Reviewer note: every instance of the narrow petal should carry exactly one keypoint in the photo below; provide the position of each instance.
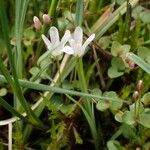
(46, 41)
(66, 37)
(88, 41)
(78, 35)
(73, 44)
(76, 47)
(54, 35)
(68, 50)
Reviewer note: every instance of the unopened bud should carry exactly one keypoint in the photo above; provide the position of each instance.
(129, 63)
(138, 148)
(140, 85)
(135, 95)
(46, 18)
(37, 22)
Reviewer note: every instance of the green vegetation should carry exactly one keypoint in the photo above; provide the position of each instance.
(75, 74)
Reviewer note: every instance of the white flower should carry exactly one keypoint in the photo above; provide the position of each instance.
(76, 48)
(54, 44)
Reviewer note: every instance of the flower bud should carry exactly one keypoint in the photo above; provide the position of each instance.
(140, 85)
(46, 18)
(129, 63)
(37, 22)
(138, 148)
(135, 95)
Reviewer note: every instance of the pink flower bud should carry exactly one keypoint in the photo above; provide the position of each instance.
(138, 148)
(46, 18)
(140, 85)
(37, 22)
(135, 95)
(129, 63)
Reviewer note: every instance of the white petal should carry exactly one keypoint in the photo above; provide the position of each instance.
(46, 41)
(73, 44)
(66, 37)
(88, 41)
(68, 50)
(54, 35)
(78, 35)
(76, 47)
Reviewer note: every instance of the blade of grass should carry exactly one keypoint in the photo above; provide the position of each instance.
(11, 109)
(102, 28)
(42, 87)
(79, 13)
(15, 85)
(141, 63)
(21, 8)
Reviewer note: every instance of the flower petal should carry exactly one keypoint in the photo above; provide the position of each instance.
(76, 48)
(68, 50)
(88, 41)
(73, 44)
(46, 41)
(66, 37)
(78, 35)
(54, 35)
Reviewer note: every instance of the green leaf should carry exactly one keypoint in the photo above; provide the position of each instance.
(113, 73)
(56, 104)
(146, 98)
(114, 105)
(114, 145)
(102, 105)
(111, 145)
(144, 119)
(34, 70)
(138, 106)
(117, 68)
(104, 42)
(119, 50)
(3, 92)
(129, 132)
(144, 53)
(128, 118)
(118, 116)
(145, 16)
(97, 91)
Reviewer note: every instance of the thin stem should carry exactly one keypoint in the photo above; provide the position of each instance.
(82, 81)
(10, 136)
(99, 70)
(58, 65)
(87, 104)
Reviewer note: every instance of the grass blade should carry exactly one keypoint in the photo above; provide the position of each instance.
(141, 63)
(11, 109)
(79, 13)
(21, 8)
(42, 87)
